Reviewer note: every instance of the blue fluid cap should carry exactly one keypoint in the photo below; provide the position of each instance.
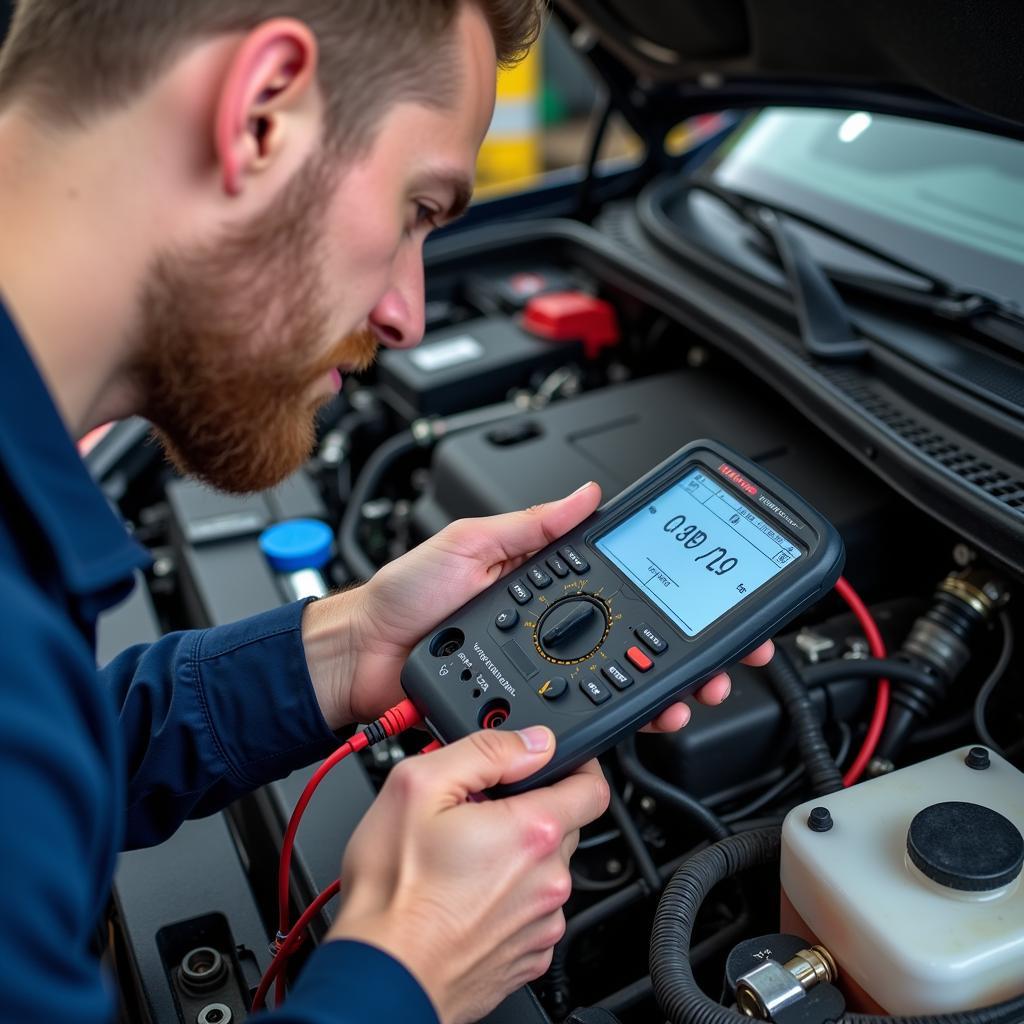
(297, 544)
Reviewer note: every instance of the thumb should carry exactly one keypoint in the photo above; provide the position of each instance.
(520, 533)
(488, 758)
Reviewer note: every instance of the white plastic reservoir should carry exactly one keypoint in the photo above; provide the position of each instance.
(916, 889)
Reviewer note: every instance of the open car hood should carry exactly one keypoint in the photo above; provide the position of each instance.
(956, 61)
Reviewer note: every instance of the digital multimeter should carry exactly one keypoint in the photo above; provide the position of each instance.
(680, 575)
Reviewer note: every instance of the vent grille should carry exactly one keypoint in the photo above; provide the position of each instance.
(619, 223)
(969, 466)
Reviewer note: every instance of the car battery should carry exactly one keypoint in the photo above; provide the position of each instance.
(474, 363)
(507, 290)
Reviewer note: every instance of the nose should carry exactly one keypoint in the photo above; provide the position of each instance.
(398, 317)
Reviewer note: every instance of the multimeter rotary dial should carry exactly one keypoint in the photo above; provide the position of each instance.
(572, 629)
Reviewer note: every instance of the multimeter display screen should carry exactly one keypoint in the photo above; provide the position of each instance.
(697, 551)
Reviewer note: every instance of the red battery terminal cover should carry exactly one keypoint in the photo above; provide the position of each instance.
(573, 316)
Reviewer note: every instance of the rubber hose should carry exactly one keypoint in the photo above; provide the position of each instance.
(377, 465)
(380, 462)
(791, 690)
(692, 808)
(857, 668)
(675, 988)
(634, 840)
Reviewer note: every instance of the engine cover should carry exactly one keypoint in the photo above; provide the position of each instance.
(615, 434)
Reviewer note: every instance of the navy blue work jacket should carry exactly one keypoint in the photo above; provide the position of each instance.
(92, 762)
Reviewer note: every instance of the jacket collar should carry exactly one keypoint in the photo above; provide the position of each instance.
(92, 549)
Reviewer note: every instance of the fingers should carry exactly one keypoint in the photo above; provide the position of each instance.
(517, 533)
(542, 934)
(715, 690)
(569, 844)
(676, 716)
(573, 802)
(672, 719)
(761, 655)
(477, 762)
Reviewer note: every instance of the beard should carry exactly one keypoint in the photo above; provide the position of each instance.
(231, 341)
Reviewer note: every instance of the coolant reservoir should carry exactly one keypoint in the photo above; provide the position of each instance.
(913, 882)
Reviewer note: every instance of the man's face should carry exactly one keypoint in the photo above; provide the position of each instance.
(241, 339)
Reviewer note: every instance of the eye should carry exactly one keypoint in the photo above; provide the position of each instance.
(425, 216)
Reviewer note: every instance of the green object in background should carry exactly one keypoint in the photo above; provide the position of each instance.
(552, 107)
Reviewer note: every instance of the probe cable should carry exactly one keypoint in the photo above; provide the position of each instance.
(404, 716)
(877, 647)
(395, 720)
(291, 943)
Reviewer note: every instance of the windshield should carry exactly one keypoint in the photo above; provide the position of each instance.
(948, 200)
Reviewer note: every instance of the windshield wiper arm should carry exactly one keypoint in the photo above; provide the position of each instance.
(937, 298)
(826, 330)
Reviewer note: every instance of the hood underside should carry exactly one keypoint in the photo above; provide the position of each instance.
(956, 60)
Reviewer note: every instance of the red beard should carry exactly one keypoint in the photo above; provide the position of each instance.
(232, 345)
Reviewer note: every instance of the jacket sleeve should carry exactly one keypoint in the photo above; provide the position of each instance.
(350, 983)
(208, 715)
(60, 791)
(58, 800)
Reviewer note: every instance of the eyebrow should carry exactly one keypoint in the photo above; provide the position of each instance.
(460, 187)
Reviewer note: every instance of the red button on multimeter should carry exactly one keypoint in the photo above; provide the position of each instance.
(637, 657)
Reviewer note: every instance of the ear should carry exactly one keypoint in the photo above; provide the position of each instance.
(268, 83)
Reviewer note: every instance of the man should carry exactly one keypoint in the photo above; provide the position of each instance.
(199, 198)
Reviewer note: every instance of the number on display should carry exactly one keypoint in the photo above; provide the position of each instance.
(692, 537)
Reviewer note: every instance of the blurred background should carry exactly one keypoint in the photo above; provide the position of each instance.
(547, 111)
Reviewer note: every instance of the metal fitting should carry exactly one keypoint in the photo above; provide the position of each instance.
(215, 1013)
(976, 588)
(813, 645)
(762, 992)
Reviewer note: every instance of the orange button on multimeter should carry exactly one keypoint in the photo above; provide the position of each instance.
(637, 658)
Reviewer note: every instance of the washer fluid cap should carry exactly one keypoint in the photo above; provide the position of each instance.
(297, 544)
(965, 846)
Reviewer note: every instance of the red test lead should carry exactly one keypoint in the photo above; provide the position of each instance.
(394, 721)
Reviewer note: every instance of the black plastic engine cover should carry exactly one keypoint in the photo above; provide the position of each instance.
(615, 434)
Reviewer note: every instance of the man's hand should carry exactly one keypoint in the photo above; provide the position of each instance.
(357, 642)
(468, 896)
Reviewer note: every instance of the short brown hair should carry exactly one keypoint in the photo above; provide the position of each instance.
(76, 58)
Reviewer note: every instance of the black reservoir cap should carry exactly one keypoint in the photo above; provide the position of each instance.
(965, 846)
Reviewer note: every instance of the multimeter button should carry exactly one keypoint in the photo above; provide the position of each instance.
(558, 566)
(553, 688)
(576, 561)
(637, 657)
(520, 592)
(614, 674)
(594, 690)
(506, 618)
(517, 656)
(540, 578)
(650, 639)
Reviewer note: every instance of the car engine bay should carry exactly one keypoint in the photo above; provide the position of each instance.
(551, 359)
